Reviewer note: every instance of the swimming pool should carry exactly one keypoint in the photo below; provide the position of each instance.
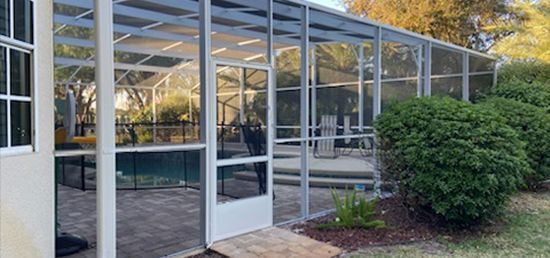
(143, 170)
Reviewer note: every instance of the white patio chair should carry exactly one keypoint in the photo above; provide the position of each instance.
(326, 148)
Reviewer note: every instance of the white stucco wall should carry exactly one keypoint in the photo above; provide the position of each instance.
(27, 181)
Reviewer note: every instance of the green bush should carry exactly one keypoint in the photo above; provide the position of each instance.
(350, 214)
(533, 127)
(144, 136)
(525, 71)
(172, 109)
(536, 93)
(454, 159)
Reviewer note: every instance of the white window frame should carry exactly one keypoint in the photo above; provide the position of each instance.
(10, 43)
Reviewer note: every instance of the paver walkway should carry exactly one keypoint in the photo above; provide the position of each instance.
(275, 242)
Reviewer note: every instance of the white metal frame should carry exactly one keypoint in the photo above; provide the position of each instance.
(105, 129)
(465, 76)
(208, 129)
(209, 210)
(428, 69)
(462, 75)
(9, 43)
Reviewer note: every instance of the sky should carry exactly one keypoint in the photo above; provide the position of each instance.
(330, 3)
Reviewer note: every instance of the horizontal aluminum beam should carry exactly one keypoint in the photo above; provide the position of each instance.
(221, 12)
(124, 48)
(155, 34)
(122, 66)
(366, 21)
(294, 12)
(120, 9)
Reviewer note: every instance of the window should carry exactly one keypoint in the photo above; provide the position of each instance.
(16, 95)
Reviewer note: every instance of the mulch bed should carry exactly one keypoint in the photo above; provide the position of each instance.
(401, 228)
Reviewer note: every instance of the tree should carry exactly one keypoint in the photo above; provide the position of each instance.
(337, 63)
(70, 77)
(80, 79)
(457, 21)
(531, 31)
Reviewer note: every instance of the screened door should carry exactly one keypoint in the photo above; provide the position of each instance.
(244, 193)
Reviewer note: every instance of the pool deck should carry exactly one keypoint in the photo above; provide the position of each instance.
(150, 223)
(159, 222)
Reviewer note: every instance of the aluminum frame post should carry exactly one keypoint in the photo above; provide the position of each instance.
(465, 76)
(207, 129)
(271, 106)
(272, 60)
(361, 85)
(270, 51)
(377, 102)
(304, 114)
(242, 87)
(428, 69)
(105, 129)
(376, 85)
(313, 88)
(420, 86)
(495, 73)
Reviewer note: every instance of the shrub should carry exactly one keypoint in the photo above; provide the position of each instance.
(535, 93)
(349, 214)
(454, 159)
(173, 108)
(525, 71)
(533, 127)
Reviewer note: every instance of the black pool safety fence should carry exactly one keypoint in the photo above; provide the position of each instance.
(151, 170)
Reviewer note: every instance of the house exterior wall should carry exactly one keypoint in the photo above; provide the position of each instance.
(27, 180)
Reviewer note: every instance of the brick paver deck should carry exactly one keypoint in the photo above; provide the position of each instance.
(275, 242)
(158, 222)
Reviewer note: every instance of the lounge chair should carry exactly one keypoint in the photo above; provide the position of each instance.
(326, 148)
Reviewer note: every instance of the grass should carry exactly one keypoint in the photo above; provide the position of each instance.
(524, 232)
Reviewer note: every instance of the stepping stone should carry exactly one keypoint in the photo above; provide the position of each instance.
(289, 245)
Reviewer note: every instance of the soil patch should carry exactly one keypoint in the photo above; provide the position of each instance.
(401, 228)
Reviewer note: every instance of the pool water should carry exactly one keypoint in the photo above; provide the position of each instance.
(173, 165)
(145, 170)
(164, 168)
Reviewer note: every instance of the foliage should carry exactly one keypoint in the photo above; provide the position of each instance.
(145, 136)
(173, 108)
(456, 21)
(338, 58)
(522, 233)
(525, 71)
(85, 95)
(535, 93)
(454, 159)
(288, 102)
(288, 68)
(529, 39)
(533, 127)
(349, 214)
(129, 100)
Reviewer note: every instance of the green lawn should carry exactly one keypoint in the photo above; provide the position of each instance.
(525, 232)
